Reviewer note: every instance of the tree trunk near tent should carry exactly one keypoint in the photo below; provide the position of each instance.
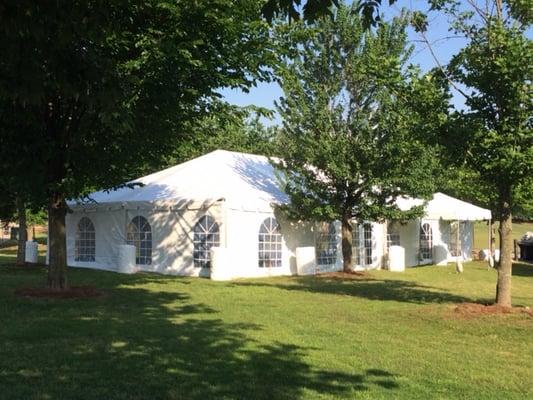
(346, 244)
(57, 246)
(23, 233)
(503, 288)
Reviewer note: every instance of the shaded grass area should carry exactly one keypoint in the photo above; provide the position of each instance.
(8, 253)
(382, 336)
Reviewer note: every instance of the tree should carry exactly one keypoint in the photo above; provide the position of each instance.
(233, 128)
(311, 9)
(112, 85)
(497, 65)
(314, 9)
(493, 136)
(461, 181)
(21, 178)
(353, 116)
(13, 209)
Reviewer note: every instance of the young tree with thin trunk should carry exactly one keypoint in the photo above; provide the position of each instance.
(493, 138)
(353, 116)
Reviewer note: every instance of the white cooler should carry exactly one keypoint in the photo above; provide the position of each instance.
(305, 260)
(31, 252)
(126, 258)
(396, 258)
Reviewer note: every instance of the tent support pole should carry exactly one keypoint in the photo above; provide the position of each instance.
(459, 250)
(490, 237)
(418, 256)
(125, 225)
(473, 240)
(225, 205)
(459, 244)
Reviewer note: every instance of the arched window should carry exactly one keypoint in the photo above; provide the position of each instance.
(85, 245)
(206, 235)
(367, 236)
(270, 244)
(393, 234)
(140, 235)
(326, 244)
(426, 242)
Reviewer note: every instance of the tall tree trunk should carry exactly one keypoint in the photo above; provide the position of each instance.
(503, 288)
(346, 243)
(23, 233)
(57, 246)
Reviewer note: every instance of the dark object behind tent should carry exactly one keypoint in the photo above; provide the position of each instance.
(526, 251)
(526, 247)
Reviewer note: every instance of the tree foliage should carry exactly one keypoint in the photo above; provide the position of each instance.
(233, 129)
(354, 116)
(492, 138)
(111, 86)
(311, 10)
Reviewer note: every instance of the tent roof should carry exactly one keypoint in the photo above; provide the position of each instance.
(448, 208)
(244, 181)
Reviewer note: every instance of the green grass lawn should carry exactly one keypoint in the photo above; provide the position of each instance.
(384, 336)
(481, 233)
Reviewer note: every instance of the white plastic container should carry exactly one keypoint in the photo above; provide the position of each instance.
(396, 258)
(126, 258)
(220, 266)
(31, 252)
(305, 260)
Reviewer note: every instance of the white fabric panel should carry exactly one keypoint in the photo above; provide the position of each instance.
(246, 181)
(243, 242)
(172, 238)
(467, 240)
(110, 230)
(446, 207)
(409, 240)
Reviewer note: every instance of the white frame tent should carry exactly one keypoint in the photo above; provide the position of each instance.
(441, 213)
(239, 192)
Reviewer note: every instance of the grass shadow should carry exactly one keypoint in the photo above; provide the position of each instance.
(144, 343)
(523, 269)
(368, 288)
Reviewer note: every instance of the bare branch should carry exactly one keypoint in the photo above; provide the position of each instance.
(442, 69)
(479, 11)
(437, 40)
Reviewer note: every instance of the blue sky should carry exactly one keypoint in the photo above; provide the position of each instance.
(265, 94)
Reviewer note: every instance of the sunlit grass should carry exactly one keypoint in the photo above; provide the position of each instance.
(383, 336)
(481, 233)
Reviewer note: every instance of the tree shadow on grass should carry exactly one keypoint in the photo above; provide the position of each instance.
(368, 288)
(522, 269)
(136, 343)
